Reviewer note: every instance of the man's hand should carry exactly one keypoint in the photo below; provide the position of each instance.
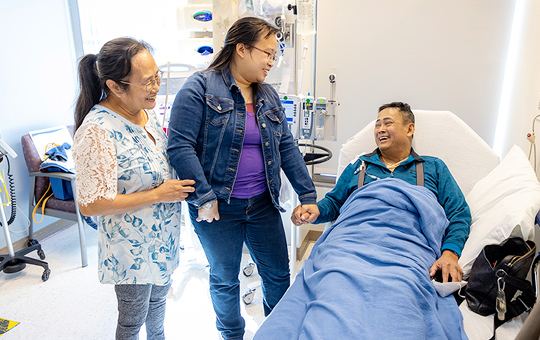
(209, 215)
(304, 214)
(448, 265)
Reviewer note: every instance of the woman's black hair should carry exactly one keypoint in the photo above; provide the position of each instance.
(247, 31)
(112, 62)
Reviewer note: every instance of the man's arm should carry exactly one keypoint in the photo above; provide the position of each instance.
(456, 208)
(328, 208)
(458, 213)
(330, 205)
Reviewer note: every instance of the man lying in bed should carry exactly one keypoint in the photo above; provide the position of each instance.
(368, 275)
(395, 158)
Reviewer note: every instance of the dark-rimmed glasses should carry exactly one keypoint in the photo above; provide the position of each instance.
(150, 85)
(270, 56)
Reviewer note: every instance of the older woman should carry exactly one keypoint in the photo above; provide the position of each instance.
(124, 177)
(228, 132)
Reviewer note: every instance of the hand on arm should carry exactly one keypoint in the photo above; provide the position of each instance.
(304, 214)
(91, 142)
(170, 191)
(449, 267)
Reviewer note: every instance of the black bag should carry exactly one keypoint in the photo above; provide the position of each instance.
(497, 274)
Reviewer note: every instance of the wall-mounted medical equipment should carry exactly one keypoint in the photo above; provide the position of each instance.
(197, 17)
(310, 118)
(306, 118)
(320, 117)
(196, 22)
(205, 50)
(203, 15)
(285, 22)
(292, 105)
(333, 105)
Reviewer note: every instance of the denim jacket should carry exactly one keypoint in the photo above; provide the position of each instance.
(206, 134)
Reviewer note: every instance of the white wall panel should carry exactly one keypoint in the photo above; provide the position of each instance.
(434, 55)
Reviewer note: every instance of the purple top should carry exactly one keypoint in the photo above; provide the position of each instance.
(250, 178)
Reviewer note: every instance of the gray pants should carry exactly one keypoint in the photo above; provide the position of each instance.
(139, 304)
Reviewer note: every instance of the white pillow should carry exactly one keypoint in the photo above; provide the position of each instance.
(503, 204)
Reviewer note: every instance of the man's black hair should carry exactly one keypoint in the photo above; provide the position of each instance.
(404, 108)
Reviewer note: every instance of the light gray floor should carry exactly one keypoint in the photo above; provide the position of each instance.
(72, 304)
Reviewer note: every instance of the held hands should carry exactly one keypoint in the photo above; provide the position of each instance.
(209, 215)
(304, 214)
(448, 265)
(174, 190)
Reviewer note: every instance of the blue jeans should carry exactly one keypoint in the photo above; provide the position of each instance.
(139, 304)
(256, 222)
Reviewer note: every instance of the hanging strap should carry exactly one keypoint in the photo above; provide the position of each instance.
(362, 174)
(419, 173)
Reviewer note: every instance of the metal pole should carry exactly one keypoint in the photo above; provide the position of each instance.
(6, 229)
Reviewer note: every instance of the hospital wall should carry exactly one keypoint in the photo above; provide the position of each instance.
(524, 93)
(38, 81)
(435, 55)
(438, 55)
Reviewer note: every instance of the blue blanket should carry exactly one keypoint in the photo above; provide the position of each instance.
(368, 275)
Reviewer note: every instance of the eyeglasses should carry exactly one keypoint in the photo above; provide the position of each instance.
(270, 56)
(150, 85)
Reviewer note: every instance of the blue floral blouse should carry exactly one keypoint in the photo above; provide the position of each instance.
(114, 156)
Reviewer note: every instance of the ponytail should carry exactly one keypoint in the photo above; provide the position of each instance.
(91, 89)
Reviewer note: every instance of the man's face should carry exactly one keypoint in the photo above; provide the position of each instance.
(391, 133)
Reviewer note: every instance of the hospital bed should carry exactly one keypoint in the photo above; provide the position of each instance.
(504, 197)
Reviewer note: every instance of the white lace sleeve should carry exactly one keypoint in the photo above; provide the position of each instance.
(95, 164)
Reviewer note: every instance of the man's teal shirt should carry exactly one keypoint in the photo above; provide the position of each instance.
(437, 178)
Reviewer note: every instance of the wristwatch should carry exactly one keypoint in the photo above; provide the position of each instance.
(208, 205)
